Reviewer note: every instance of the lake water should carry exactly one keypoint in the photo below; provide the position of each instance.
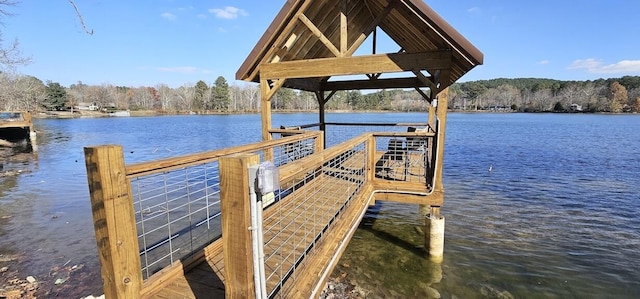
(557, 217)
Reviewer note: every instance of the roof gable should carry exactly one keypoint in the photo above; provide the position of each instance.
(306, 30)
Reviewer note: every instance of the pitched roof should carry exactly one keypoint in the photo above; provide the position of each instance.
(312, 29)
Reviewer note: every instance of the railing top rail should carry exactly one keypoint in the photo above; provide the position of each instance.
(403, 134)
(157, 166)
(379, 124)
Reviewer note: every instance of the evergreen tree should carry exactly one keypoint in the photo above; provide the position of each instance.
(56, 97)
(220, 94)
(201, 96)
(558, 107)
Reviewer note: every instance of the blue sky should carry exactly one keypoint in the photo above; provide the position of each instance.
(177, 42)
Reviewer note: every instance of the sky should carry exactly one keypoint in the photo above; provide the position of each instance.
(179, 42)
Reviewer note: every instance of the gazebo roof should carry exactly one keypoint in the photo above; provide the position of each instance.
(325, 34)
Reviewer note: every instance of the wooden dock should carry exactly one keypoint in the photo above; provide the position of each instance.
(14, 127)
(323, 198)
(187, 227)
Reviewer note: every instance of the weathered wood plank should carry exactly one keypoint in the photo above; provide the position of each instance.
(114, 221)
(370, 64)
(236, 219)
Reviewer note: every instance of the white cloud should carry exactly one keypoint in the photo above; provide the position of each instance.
(180, 69)
(228, 12)
(596, 66)
(476, 11)
(543, 62)
(169, 16)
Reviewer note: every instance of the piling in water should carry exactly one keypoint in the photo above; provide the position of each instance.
(434, 236)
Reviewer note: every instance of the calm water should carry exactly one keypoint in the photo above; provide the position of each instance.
(555, 218)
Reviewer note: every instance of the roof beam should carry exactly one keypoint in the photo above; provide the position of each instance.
(370, 64)
(307, 84)
(374, 84)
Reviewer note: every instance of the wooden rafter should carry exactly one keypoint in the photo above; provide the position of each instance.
(325, 41)
(284, 35)
(370, 28)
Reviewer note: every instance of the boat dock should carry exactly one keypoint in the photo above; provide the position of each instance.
(16, 126)
(271, 219)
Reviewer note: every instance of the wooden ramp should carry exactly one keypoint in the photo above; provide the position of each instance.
(296, 245)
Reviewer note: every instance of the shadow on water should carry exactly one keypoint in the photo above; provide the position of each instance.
(386, 257)
(368, 224)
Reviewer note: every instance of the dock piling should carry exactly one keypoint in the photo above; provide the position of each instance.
(434, 235)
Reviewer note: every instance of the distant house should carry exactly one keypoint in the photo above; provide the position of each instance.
(576, 108)
(87, 107)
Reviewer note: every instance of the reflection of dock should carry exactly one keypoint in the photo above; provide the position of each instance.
(16, 127)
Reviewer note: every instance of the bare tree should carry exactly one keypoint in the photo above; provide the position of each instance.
(185, 95)
(10, 55)
(84, 27)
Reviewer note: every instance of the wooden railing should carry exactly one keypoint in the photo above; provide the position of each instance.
(120, 210)
(118, 215)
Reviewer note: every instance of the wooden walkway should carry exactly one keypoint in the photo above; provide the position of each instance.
(319, 205)
(289, 235)
(203, 278)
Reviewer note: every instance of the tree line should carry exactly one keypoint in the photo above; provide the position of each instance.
(29, 93)
(548, 95)
(18, 92)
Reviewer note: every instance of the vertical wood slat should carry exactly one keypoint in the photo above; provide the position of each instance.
(236, 220)
(114, 221)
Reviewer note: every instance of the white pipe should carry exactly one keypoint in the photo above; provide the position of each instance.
(260, 234)
(254, 241)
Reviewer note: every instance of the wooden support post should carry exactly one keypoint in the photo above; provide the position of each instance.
(371, 159)
(432, 116)
(114, 221)
(321, 120)
(236, 221)
(265, 109)
(441, 112)
(319, 143)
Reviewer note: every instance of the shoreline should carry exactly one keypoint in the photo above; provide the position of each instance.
(150, 113)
